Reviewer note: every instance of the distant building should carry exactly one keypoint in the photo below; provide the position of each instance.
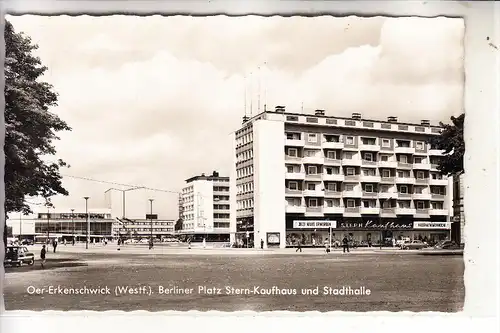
(297, 176)
(205, 208)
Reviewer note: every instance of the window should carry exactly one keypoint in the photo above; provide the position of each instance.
(386, 204)
(350, 171)
(437, 205)
(313, 202)
(420, 175)
(368, 156)
(419, 189)
(292, 152)
(329, 171)
(369, 188)
(332, 187)
(293, 201)
(384, 158)
(310, 153)
(349, 140)
(312, 137)
(401, 174)
(437, 176)
(366, 204)
(331, 155)
(386, 173)
(386, 143)
(419, 145)
(403, 189)
(404, 204)
(349, 187)
(289, 169)
(384, 188)
(293, 186)
(369, 172)
(336, 202)
(311, 187)
(418, 160)
(420, 205)
(312, 170)
(351, 203)
(329, 203)
(403, 159)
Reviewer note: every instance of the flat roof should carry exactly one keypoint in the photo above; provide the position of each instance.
(211, 177)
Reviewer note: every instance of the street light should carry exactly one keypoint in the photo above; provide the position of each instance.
(88, 222)
(123, 199)
(151, 218)
(48, 225)
(73, 222)
(20, 225)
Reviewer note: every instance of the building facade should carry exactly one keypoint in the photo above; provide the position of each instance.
(205, 208)
(126, 228)
(299, 178)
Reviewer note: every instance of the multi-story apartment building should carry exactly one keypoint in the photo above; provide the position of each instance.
(205, 208)
(300, 177)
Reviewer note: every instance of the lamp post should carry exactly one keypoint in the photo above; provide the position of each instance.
(88, 222)
(48, 225)
(151, 218)
(123, 201)
(20, 225)
(73, 223)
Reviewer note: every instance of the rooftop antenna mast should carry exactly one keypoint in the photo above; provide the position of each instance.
(265, 91)
(245, 93)
(258, 87)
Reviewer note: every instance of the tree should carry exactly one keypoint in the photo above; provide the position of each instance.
(451, 140)
(178, 225)
(30, 127)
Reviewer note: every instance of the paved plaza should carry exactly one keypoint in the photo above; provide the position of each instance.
(177, 278)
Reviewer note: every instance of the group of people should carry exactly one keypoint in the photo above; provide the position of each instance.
(345, 245)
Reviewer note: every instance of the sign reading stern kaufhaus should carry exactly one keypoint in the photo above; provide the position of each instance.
(375, 225)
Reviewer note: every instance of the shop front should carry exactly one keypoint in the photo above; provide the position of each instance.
(363, 231)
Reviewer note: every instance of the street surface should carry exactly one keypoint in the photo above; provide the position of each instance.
(177, 278)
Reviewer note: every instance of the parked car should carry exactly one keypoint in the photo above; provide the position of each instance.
(447, 245)
(413, 245)
(27, 242)
(18, 256)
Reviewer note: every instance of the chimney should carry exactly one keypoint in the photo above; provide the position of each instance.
(425, 122)
(319, 112)
(392, 119)
(215, 174)
(280, 109)
(245, 119)
(356, 116)
(203, 175)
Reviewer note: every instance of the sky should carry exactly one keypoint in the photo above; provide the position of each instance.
(153, 100)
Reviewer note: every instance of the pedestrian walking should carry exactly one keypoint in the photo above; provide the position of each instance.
(345, 244)
(64, 242)
(314, 242)
(261, 244)
(73, 241)
(42, 256)
(54, 244)
(299, 247)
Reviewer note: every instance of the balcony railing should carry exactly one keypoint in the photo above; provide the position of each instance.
(423, 181)
(405, 166)
(421, 196)
(295, 159)
(333, 194)
(293, 192)
(352, 210)
(295, 209)
(438, 196)
(295, 175)
(405, 211)
(435, 152)
(440, 182)
(314, 193)
(369, 147)
(352, 194)
(314, 176)
(388, 211)
(370, 210)
(434, 166)
(388, 195)
(351, 178)
(333, 177)
(404, 195)
(433, 211)
(351, 162)
(330, 161)
(369, 194)
(405, 180)
(423, 211)
(333, 145)
(368, 163)
(388, 164)
(333, 210)
(314, 209)
(404, 150)
(422, 166)
(313, 160)
(370, 179)
(294, 142)
(387, 180)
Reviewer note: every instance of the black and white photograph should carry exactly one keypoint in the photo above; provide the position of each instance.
(218, 163)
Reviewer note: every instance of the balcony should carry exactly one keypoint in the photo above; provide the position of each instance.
(436, 152)
(314, 193)
(405, 166)
(333, 210)
(422, 181)
(295, 209)
(351, 211)
(314, 211)
(388, 164)
(367, 147)
(434, 167)
(370, 210)
(388, 212)
(295, 175)
(313, 160)
(313, 177)
(404, 150)
(293, 159)
(365, 194)
(333, 177)
(351, 178)
(333, 145)
(388, 195)
(440, 212)
(439, 182)
(405, 180)
(421, 196)
(350, 147)
(387, 180)
(423, 211)
(333, 194)
(370, 179)
(367, 163)
(437, 196)
(422, 166)
(330, 161)
(351, 161)
(405, 211)
(352, 194)
(290, 192)
(295, 142)
(404, 196)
